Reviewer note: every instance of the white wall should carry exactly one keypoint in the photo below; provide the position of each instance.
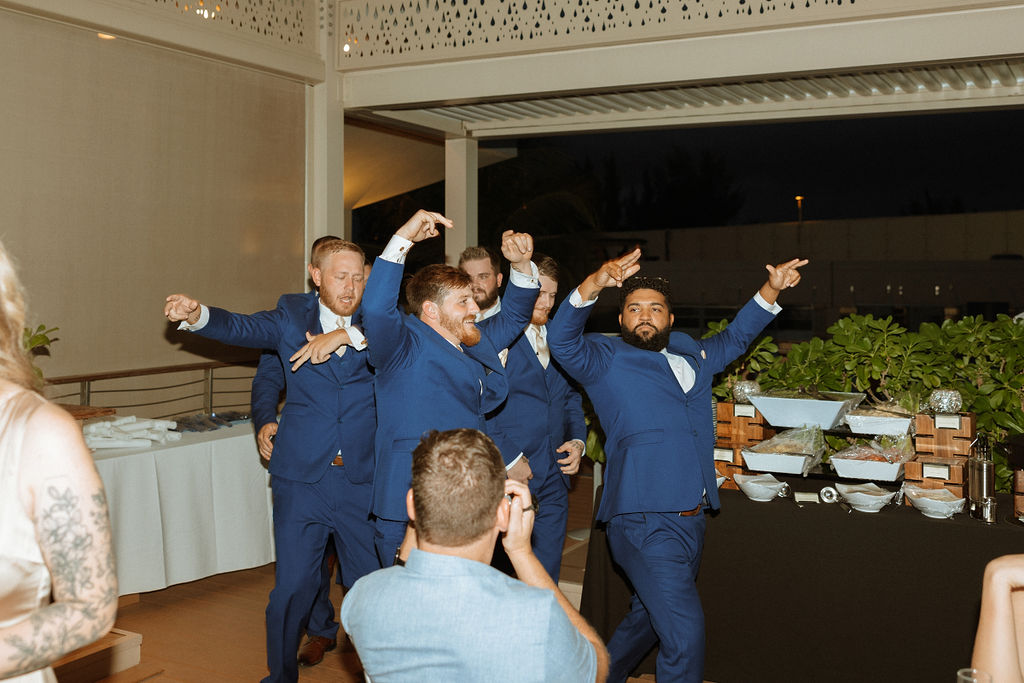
(128, 172)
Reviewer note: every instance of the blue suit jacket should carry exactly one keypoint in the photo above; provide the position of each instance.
(542, 410)
(659, 440)
(424, 383)
(267, 385)
(329, 407)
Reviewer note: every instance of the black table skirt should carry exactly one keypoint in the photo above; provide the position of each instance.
(816, 594)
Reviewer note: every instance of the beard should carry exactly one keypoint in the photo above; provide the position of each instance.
(655, 340)
(465, 330)
(539, 317)
(485, 298)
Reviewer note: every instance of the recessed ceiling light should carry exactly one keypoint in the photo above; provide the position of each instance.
(105, 36)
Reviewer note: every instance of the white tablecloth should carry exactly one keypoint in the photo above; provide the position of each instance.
(189, 509)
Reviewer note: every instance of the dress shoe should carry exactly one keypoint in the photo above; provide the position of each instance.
(312, 651)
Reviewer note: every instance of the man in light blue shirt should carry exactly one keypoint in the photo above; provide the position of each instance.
(448, 616)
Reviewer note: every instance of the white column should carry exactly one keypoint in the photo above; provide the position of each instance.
(325, 144)
(460, 196)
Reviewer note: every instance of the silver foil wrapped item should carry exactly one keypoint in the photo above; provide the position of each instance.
(744, 389)
(947, 401)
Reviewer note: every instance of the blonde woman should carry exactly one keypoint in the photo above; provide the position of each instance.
(54, 528)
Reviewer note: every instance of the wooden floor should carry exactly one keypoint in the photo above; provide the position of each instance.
(212, 630)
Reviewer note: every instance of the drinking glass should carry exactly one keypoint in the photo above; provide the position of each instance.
(972, 676)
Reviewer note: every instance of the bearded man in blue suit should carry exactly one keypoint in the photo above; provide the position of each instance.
(434, 368)
(651, 389)
(544, 415)
(322, 465)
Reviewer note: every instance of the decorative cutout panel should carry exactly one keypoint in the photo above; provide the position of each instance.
(286, 22)
(386, 32)
(402, 31)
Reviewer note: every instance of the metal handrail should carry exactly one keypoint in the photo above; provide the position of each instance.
(212, 398)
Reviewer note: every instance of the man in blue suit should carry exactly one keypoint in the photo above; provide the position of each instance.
(544, 415)
(651, 389)
(434, 368)
(322, 467)
(268, 386)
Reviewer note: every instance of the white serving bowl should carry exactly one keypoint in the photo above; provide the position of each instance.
(759, 487)
(721, 480)
(865, 497)
(934, 503)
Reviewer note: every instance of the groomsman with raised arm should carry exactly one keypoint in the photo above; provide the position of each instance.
(543, 412)
(434, 368)
(322, 463)
(651, 389)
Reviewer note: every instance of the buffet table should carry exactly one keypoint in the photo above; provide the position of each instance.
(188, 509)
(816, 593)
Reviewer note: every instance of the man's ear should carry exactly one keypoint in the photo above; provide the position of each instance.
(620, 320)
(410, 508)
(671, 319)
(315, 274)
(431, 310)
(501, 515)
(498, 279)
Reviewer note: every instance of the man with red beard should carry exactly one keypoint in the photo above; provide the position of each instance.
(434, 369)
(659, 474)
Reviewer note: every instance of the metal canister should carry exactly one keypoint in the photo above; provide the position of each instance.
(981, 481)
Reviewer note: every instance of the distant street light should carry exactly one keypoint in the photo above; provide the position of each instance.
(799, 209)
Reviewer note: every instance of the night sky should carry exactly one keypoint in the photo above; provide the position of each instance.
(845, 168)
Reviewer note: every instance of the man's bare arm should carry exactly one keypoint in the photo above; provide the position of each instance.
(530, 571)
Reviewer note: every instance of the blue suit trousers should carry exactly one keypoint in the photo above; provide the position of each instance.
(660, 554)
(304, 516)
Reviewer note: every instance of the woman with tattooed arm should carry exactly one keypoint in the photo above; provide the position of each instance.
(54, 528)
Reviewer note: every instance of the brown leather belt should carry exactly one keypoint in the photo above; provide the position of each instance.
(690, 513)
(337, 462)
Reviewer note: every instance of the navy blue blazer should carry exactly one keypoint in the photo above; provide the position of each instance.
(329, 407)
(659, 440)
(542, 410)
(267, 385)
(423, 382)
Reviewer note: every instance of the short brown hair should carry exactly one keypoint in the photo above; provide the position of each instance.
(319, 242)
(546, 265)
(477, 253)
(433, 283)
(328, 247)
(458, 480)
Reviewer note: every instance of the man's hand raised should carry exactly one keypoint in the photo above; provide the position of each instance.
(423, 225)
(517, 247)
(611, 274)
(781, 277)
(520, 519)
(182, 307)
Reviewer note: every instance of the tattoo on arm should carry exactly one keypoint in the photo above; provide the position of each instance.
(74, 535)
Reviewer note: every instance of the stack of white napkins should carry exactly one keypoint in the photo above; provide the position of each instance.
(128, 432)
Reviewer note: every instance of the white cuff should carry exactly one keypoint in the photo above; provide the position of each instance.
(774, 309)
(519, 279)
(397, 249)
(204, 317)
(577, 301)
(512, 464)
(355, 338)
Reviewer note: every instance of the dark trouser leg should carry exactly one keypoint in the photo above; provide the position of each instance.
(354, 531)
(321, 617)
(302, 522)
(388, 536)
(549, 527)
(660, 553)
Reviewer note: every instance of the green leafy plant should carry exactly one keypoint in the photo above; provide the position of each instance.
(37, 343)
(983, 360)
(758, 357)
